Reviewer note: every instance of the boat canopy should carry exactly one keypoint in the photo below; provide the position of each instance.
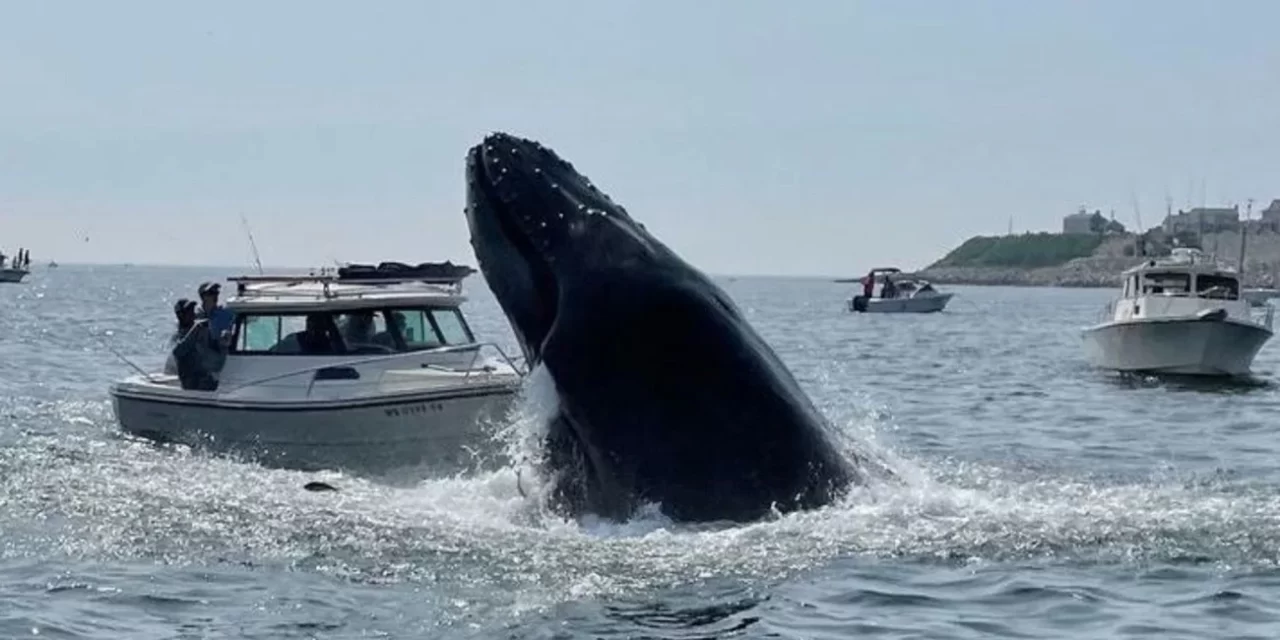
(359, 288)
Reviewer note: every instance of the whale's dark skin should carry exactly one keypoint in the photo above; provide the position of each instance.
(666, 394)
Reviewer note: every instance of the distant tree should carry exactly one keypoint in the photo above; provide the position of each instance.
(1029, 250)
(1097, 223)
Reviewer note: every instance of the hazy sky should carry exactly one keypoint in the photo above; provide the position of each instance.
(809, 137)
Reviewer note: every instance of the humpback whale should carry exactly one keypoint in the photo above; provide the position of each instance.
(666, 394)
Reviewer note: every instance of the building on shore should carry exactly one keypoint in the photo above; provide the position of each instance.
(1083, 222)
(1203, 220)
(1271, 216)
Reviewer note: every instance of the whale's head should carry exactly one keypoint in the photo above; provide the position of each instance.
(666, 393)
(537, 226)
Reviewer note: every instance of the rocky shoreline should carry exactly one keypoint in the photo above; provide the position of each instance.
(1108, 260)
(1081, 273)
(1005, 277)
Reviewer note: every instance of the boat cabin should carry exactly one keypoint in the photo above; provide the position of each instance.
(1187, 283)
(324, 315)
(364, 330)
(1187, 273)
(1176, 282)
(380, 321)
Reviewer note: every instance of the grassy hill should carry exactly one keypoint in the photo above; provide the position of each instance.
(1026, 251)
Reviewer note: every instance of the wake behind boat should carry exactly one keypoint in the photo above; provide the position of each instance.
(898, 294)
(1180, 315)
(400, 379)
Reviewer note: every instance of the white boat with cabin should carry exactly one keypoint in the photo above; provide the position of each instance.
(365, 370)
(1180, 315)
(909, 295)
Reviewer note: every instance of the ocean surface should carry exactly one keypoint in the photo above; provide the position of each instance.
(1044, 499)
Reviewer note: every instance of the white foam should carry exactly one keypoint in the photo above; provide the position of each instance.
(130, 499)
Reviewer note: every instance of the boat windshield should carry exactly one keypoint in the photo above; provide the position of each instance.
(1218, 287)
(1169, 283)
(363, 331)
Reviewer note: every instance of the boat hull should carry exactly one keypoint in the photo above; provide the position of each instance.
(444, 431)
(13, 275)
(1183, 346)
(916, 304)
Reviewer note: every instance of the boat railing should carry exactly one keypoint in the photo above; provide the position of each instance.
(476, 347)
(285, 286)
(471, 365)
(1268, 315)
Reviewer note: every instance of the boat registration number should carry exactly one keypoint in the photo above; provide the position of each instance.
(415, 409)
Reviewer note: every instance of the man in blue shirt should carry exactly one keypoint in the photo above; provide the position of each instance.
(220, 318)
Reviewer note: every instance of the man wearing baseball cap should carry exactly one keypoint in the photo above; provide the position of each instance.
(219, 317)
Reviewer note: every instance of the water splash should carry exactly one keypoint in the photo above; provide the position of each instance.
(77, 490)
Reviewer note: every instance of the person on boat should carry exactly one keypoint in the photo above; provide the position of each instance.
(185, 311)
(220, 318)
(313, 340)
(199, 356)
(868, 284)
(359, 328)
(889, 289)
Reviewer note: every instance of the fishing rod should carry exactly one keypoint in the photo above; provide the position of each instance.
(257, 260)
(122, 358)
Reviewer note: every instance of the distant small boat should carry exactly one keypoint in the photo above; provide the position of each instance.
(910, 295)
(53, 264)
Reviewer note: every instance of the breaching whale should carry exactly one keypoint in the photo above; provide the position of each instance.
(666, 394)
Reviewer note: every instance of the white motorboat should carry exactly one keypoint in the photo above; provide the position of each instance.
(1181, 315)
(906, 295)
(365, 370)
